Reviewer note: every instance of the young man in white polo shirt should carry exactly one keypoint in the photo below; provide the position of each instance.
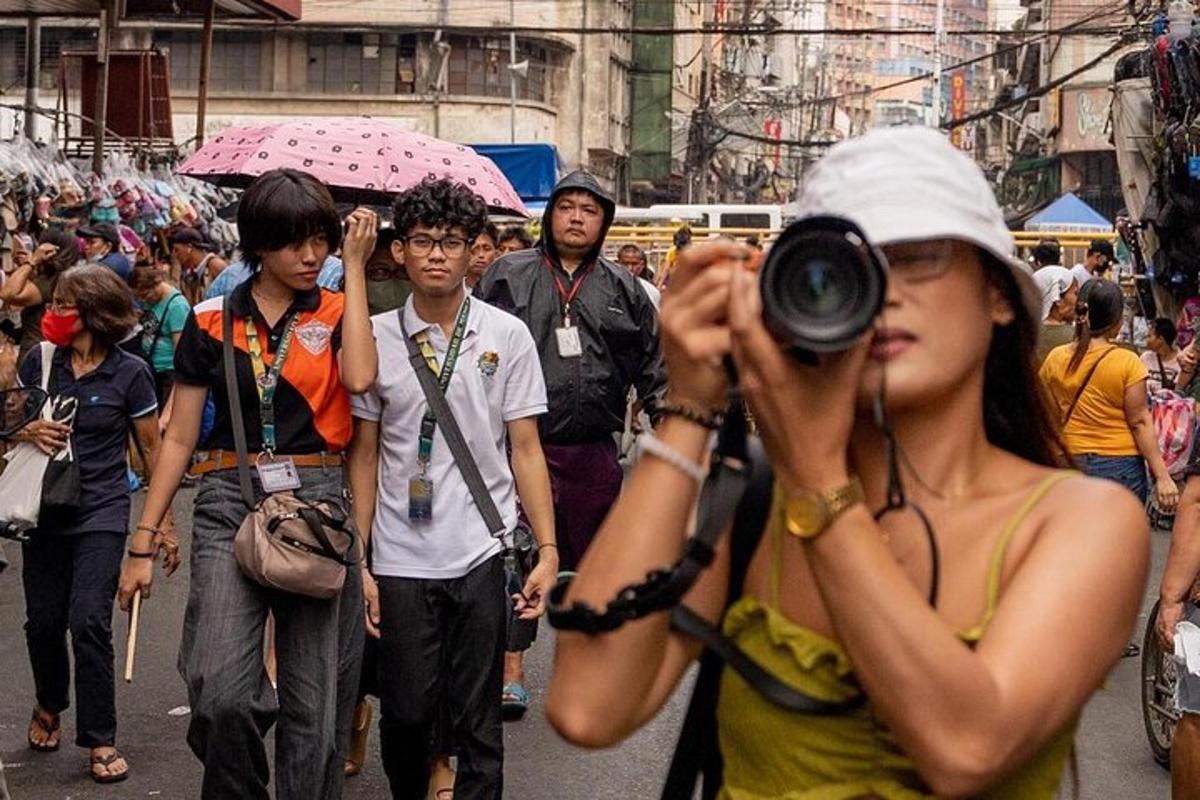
(435, 589)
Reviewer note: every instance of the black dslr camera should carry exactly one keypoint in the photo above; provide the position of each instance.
(823, 284)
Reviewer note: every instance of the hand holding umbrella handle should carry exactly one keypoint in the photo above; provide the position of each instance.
(362, 230)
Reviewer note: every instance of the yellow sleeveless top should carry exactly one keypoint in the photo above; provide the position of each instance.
(773, 754)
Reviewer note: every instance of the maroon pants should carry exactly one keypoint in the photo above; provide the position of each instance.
(585, 480)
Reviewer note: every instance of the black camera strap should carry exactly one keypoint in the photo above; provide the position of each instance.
(664, 588)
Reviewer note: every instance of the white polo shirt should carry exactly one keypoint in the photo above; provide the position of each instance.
(498, 379)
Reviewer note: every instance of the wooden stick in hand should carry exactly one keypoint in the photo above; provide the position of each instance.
(135, 611)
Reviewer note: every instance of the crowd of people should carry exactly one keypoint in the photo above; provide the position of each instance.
(448, 396)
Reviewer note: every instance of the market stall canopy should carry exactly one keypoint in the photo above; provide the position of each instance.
(361, 160)
(1069, 213)
(255, 9)
(532, 169)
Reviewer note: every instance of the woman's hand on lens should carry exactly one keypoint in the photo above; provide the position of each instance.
(805, 413)
(695, 322)
(362, 228)
(1166, 492)
(47, 435)
(137, 574)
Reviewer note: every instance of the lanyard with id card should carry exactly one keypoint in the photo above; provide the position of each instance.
(567, 337)
(420, 486)
(275, 473)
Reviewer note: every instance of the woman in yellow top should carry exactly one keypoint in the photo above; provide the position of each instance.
(1099, 389)
(1042, 572)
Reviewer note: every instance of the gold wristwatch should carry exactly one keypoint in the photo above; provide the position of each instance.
(808, 514)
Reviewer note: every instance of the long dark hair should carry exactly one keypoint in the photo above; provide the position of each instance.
(1102, 306)
(1016, 411)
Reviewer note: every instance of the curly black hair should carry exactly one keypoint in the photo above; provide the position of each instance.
(439, 203)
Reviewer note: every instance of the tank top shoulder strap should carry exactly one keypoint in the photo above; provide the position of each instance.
(996, 567)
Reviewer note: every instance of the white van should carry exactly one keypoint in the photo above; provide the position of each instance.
(723, 216)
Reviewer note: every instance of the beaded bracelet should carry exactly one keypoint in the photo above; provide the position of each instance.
(711, 420)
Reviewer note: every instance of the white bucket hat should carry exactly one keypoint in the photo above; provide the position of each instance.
(909, 184)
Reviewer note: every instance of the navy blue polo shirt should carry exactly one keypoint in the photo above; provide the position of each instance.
(118, 391)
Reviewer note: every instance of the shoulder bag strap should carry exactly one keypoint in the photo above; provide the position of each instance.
(47, 353)
(1087, 379)
(452, 434)
(158, 329)
(236, 420)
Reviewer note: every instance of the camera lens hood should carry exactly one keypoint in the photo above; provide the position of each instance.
(823, 284)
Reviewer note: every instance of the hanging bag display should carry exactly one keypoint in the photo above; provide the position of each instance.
(284, 543)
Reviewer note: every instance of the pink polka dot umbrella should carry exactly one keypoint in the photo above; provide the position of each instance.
(360, 159)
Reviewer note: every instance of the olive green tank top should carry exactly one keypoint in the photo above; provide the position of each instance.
(774, 754)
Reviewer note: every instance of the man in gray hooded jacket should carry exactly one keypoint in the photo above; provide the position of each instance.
(597, 335)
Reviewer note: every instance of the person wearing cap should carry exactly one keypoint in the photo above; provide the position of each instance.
(102, 245)
(198, 265)
(1059, 292)
(1095, 264)
(927, 698)
(597, 337)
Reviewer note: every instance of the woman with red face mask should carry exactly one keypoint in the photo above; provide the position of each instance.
(71, 562)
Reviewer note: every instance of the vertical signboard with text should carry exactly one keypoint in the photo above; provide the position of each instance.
(958, 109)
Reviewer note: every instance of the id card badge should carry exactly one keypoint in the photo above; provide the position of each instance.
(278, 475)
(569, 344)
(420, 498)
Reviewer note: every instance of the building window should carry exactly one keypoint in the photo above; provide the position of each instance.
(12, 58)
(236, 59)
(361, 63)
(479, 66)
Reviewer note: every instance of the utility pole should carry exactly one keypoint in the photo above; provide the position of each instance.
(108, 26)
(512, 72)
(701, 129)
(939, 35)
(206, 46)
(33, 63)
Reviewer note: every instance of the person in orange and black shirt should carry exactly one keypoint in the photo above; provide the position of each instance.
(313, 346)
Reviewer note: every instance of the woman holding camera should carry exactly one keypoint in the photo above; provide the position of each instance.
(71, 564)
(310, 347)
(835, 602)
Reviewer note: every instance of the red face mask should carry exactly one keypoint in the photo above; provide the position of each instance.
(59, 329)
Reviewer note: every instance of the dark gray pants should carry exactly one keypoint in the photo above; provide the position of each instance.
(318, 645)
(442, 641)
(70, 583)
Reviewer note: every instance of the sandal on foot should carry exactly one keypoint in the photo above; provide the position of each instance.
(514, 701)
(50, 725)
(106, 762)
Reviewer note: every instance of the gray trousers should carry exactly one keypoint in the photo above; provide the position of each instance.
(318, 646)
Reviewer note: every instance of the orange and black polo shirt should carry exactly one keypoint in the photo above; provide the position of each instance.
(312, 409)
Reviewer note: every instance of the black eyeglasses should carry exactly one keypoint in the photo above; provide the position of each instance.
(452, 246)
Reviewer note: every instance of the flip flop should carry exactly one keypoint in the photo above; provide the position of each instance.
(106, 761)
(514, 701)
(52, 731)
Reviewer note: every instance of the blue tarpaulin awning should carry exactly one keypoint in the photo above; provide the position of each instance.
(1069, 213)
(532, 169)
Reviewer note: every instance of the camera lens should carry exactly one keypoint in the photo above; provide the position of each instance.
(822, 285)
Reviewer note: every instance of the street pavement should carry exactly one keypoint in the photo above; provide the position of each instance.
(1114, 759)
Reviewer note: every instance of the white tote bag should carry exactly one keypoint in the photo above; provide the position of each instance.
(21, 481)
